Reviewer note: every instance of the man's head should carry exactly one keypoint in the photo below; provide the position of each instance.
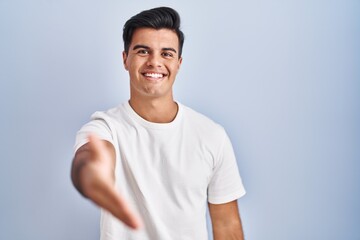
(156, 18)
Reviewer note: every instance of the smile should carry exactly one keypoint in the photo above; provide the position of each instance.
(154, 75)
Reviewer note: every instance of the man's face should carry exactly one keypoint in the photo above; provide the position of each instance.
(152, 62)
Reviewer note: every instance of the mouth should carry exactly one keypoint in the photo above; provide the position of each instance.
(154, 75)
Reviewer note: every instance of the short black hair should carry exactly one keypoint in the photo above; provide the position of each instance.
(157, 18)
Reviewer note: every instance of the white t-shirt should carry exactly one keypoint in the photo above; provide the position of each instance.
(167, 171)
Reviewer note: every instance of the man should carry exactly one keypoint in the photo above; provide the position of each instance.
(153, 164)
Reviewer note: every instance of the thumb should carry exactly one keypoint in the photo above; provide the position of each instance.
(96, 145)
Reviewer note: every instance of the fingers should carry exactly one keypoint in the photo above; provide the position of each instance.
(111, 200)
(125, 213)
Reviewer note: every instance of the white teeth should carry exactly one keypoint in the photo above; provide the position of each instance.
(154, 75)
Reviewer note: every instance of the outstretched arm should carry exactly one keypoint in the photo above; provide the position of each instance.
(226, 223)
(93, 175)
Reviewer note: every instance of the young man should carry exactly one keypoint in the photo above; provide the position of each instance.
(151, 163)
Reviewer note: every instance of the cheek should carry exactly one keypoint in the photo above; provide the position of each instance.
(175, 68)
(177, 65)
(130, 63)
(131, 68)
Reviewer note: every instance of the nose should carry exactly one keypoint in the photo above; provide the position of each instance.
(154, 60)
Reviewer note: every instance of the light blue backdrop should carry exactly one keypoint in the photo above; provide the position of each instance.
(283, 77)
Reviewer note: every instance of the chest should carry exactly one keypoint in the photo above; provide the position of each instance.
(175, 163)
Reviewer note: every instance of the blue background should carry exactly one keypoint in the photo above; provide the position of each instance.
(283, 77)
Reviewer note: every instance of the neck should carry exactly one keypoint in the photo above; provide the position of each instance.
(155, 110)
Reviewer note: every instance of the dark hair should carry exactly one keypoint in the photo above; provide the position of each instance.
(157, 18)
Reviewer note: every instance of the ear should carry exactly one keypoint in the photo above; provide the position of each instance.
(124, 55)
(179, 62)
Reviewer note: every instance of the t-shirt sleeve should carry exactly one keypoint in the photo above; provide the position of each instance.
(98, 126)
(226, 184)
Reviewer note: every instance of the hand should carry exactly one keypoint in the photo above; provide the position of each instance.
(97, 180)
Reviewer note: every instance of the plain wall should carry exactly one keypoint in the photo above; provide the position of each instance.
(282, 77)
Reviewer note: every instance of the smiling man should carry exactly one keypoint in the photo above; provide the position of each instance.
(153, 61)
(152, 164)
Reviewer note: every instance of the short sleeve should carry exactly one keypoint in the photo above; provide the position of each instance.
(226, 184)
(98, 126)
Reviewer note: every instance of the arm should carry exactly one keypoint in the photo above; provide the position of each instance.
(226, 223)
(93, 175)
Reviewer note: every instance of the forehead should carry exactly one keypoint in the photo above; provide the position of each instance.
(155, 38)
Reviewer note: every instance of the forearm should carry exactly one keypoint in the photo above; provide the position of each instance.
(75, 170)
(226, 222)
(78, 165)
(234, 232)
(93, 175)
(90, 169)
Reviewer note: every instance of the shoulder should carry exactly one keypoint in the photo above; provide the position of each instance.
(109, 114)
(201, 123)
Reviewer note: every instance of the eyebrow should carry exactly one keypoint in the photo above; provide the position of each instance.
(146, 47)
(140, 46)
(169, 49)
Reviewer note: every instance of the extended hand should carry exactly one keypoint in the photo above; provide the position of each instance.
(93, 175)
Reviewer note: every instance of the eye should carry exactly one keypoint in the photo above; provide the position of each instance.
(167, 54)
(143, 52)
